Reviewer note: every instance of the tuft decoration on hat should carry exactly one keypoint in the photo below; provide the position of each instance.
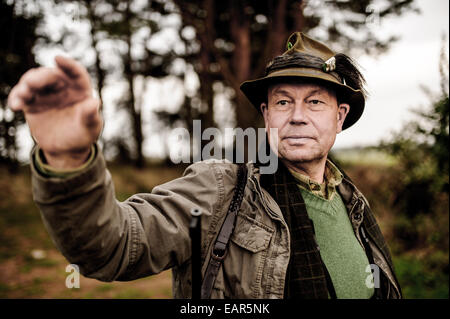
(329, 65)
(347, 68)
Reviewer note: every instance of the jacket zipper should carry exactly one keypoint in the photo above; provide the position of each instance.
(365, 243)
(392, 280)
(356, 229)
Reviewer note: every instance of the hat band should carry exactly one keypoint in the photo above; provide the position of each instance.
(308, 72)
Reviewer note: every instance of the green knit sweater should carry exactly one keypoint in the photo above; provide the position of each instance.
(341, 252)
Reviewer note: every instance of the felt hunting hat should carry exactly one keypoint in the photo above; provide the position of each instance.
(307, 60)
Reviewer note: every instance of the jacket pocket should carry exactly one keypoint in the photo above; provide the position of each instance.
(250, 234)
(246, 259)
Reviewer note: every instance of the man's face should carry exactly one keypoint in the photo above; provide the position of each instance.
(307, 117)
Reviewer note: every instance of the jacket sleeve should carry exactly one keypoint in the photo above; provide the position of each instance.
(112, 240)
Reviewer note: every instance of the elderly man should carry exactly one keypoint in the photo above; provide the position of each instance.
(304, 231)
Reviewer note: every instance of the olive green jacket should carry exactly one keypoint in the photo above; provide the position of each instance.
(148, 233)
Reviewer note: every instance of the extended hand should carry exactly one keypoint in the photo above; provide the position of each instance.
(60, 110)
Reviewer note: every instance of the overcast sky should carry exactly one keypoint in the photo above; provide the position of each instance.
(393, 80)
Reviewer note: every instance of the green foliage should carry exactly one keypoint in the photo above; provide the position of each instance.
(421, 193)
(422, 150)
(423, 278)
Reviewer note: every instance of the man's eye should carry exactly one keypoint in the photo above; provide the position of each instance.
(282, 102)
(315, 102)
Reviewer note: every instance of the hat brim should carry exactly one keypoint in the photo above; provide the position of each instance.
(256, 90)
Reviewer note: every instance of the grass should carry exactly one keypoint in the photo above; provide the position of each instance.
(364, 156)
(422, 269)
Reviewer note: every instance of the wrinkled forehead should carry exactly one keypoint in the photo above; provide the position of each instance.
(300, 85)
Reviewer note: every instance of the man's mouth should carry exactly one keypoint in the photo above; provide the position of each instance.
(297, 140)
(297, 137)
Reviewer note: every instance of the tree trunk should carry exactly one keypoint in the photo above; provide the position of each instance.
(134, 112)
(100, 74)
(241, 62)
(206, 81)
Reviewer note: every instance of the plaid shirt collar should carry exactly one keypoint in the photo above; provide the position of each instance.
(332, 178)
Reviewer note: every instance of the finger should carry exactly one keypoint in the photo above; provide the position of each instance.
(74, 70)
(25, 93)
(43, 80)
(90, 112)
(91, 117)
(14, 102)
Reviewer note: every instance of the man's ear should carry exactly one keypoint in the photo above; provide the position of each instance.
(343, 110)
(263, 107)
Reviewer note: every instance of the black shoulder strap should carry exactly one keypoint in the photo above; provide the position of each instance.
(221, 243)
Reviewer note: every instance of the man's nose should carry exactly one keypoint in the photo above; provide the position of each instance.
(298, 114)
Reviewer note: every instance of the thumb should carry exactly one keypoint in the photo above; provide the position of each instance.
(74, 70)
(90, 114)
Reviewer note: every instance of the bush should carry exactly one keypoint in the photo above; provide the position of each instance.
(421, 149)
